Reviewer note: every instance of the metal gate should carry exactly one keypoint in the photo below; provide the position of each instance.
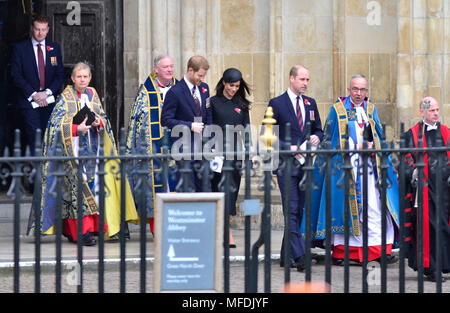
(17, 168)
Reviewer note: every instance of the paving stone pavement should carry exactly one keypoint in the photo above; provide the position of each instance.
(133, 276)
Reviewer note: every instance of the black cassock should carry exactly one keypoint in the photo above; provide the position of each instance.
(429, 189)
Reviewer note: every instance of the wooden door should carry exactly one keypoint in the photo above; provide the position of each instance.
(92, 38)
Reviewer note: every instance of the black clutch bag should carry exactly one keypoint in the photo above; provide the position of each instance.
(82, 114)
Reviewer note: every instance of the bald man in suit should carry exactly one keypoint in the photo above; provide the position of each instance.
(297, 109)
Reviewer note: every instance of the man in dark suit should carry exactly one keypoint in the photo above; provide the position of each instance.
(297, 109)
(186, 111)
(38, 73)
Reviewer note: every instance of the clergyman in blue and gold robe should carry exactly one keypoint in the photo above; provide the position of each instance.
(361, 116)
(145, 137)
(80, 140)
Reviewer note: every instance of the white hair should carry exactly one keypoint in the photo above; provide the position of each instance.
(356, 76)
(81, 66)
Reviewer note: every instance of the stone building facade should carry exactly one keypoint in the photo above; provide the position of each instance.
(402, 47)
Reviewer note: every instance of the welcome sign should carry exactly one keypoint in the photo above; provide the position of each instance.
(189, 242)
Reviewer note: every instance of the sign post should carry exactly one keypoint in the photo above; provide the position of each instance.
(189, 242)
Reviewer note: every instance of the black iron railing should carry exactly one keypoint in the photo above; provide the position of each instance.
(17, 168)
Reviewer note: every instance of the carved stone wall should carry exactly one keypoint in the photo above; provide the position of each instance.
(401, 46)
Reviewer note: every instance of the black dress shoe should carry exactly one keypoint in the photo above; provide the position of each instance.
(433, 278)
(88, 240)
(390, 259)
(338, 262)
(300, 264)
(292, 265)
(316, 258)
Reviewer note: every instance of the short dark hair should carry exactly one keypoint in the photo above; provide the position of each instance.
(40, 19)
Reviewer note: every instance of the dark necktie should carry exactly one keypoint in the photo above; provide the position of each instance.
(197, 102)
(299, 113)
(41, 66)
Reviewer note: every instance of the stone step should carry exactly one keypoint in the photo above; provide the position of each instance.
(238, 221)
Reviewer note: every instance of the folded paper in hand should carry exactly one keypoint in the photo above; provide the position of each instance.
(82, 114)
(300, 157)
(50, 100)
(216, 164)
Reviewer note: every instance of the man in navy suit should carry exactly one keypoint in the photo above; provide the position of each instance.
(186, 111)
(297, 109)
(38, 73)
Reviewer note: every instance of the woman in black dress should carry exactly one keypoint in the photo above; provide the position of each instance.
(231, 107)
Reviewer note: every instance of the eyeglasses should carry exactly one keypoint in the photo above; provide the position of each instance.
(362, 90)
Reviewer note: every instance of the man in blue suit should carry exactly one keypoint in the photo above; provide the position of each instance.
(186, 111)
(38, 73)
(297, 109)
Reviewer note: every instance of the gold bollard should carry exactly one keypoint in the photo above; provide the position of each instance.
(269, 138)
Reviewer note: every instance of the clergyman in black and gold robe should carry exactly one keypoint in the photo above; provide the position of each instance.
(81, 140)
(146, 137)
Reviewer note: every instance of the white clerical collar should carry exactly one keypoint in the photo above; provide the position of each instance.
(84, 100)
(431, 127)
(161, 85)
(361, 115)
(356, 105)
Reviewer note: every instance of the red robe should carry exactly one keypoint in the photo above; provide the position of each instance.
(411, 198)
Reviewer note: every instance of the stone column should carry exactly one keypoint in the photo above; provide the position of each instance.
(130, 56)
(423, 58)
(145, 35)
(419, 54)
(405, 64)
(213, 39)
(445, 104)
(173, 35)
(435, 49)
(276, 76)
(159, 25)
(193, 29)
(339, 73)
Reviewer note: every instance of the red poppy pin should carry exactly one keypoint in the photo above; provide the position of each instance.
(204, 89)
(238, 111)
(306, 102)
(49, 48)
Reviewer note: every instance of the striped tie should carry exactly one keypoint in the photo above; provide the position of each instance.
(197, 102)
(299, 113)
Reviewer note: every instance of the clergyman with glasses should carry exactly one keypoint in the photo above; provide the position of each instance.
(361, 116)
